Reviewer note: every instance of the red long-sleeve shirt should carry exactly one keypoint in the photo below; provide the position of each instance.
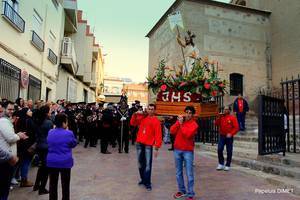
(149, 132)
(228, 125)
(184, 135)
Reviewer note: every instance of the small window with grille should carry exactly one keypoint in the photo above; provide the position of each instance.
(241, 2)
(236, 84)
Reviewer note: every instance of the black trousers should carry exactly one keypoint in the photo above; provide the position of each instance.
(42, 173)
(82, 131)
(6, 172)
(172, 141)
(133, 134)
(125, 140)
(90, 138)
(105, 136)
(65, 177)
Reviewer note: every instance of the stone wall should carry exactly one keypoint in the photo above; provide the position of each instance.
(237, 39)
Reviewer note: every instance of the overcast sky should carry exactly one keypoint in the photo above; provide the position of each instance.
(120, 28)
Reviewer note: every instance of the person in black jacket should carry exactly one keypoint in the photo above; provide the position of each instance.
(42, 126)
(91, 125)
(107, 123)
(25, 124)
(71, 119)
(133, 129)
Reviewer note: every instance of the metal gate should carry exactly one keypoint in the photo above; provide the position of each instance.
(271, 135)
(208, 132)
(291, 94)
(9, 80)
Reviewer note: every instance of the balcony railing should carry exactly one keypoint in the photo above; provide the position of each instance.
(37, 41)
(13, 17)
(52, 57)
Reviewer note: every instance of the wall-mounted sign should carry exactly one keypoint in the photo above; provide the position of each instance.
(24, 78)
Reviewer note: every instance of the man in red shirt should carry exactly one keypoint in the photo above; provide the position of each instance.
(240, 107)
(228, 128)
(184, 131)
(149, 135)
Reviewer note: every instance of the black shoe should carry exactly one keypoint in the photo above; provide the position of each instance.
(140, 183)
(126, 151)
(171, 149)
(43, 191)
(148, 188)
(120, 151)
(107, 152)
(35, 188)
(93, 146)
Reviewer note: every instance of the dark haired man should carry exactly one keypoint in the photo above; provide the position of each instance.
(149, 135)
(184, 131)
(228, 128)
(8, 142)
(240, 107)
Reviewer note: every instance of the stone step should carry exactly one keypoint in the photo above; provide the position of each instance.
(277, 180)
(289, 160)
(246, 161)
(237, 151)
(246, 145)
(251, 126)
(248, 132)
(246, 138)
(249, 150)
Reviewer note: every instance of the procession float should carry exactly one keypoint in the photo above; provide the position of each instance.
(195, 82)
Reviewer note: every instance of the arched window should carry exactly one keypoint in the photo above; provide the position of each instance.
(236, 84)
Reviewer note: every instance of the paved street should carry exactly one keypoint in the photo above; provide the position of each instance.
(114, 177)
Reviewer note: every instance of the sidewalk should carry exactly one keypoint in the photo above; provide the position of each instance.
(114, 176)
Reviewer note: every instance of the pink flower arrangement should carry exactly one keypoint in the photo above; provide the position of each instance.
(214, 93)
(163, 87)
(207, 85)
(221, 85)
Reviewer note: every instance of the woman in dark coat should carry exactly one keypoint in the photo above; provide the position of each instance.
(42, 126)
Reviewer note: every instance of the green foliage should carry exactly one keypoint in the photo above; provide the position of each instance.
(202, 79)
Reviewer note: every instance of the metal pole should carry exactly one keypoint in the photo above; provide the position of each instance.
(185, 68)
(121, 135)
(299, 104)
(294, 119)
(288, 116)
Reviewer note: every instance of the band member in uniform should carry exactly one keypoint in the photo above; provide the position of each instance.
(133, 129)
(107, 123)
(123, 118)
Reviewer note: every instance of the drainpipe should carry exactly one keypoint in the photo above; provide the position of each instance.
(43, 53)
